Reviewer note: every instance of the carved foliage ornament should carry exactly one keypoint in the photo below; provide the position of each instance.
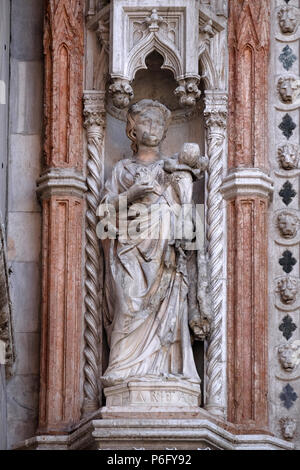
(289, 355)
(288, 155)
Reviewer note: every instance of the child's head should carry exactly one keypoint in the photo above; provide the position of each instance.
(189, 155)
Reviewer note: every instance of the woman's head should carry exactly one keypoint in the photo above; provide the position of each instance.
(147, 123)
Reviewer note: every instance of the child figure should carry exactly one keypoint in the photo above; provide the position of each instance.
(186, 166)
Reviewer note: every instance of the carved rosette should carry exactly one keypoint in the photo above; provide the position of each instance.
(215, 119)
(94, 122)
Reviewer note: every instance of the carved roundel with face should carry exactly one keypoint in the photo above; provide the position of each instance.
(287, 287)
(287, 224)
(288, 89)
(288, 155)
(289, 356)
(287, 19)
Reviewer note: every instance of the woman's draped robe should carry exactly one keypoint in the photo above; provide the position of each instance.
(145, 287)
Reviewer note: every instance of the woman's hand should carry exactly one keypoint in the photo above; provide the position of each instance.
(138, 190)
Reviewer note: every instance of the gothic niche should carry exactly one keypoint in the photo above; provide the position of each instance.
(158, 379)
(287, 18)
(288, 155)
(156, 123)
(288, 287)
(287, 223)
(289, 356)
(288, 88)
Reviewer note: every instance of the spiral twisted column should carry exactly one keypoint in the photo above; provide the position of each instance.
(94, 122)
(215, 114)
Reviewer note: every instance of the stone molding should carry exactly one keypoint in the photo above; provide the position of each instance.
(247, 182)
(199, 433)
(61, 182)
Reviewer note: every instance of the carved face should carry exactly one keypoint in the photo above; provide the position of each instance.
(287, 20)
(289, 355)
(287, 224)
(288, 88)
(287, 288)
(288, 427)
(149, 127)
(288, 156)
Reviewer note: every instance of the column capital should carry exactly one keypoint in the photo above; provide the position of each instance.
(61, 181)
(216, 109)
(94, 108)
(247, 182)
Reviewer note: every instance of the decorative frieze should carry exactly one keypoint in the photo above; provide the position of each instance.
(284, 218)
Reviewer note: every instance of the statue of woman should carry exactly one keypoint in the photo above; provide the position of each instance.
(145, 288)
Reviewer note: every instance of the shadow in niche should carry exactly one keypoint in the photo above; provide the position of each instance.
(155, 83)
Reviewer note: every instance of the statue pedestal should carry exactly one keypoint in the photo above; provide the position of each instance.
(142, 395)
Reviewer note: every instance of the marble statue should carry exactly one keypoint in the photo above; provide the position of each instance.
(146, 283)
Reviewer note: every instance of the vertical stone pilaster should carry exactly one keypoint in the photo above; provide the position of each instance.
(247, 189)
(61, 187)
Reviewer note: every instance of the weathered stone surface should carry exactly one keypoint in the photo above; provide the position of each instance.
(27, 29)
(23, 236)
(3, 413)
(25, 296)
(27, 353)
(26, 101)
(25, 164)
(22, 393)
